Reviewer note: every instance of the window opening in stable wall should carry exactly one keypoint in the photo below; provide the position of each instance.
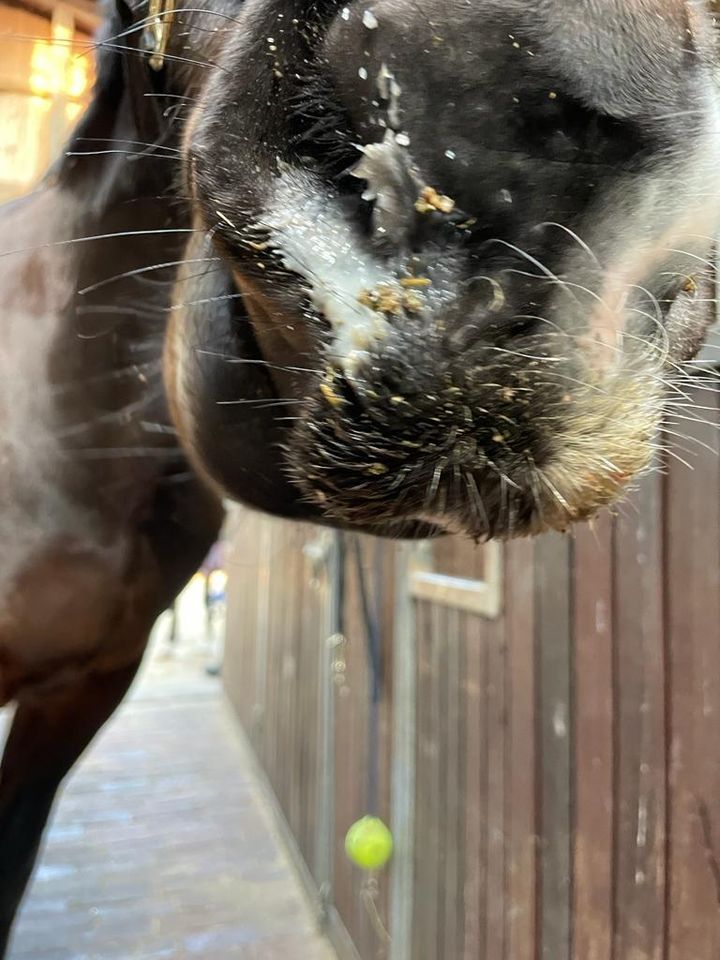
(458, 573)
(46, 73)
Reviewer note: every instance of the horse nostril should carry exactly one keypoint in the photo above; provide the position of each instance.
(489, 319)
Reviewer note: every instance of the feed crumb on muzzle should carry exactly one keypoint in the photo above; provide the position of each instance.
(390, 300)
(500, 451)
(430, 200)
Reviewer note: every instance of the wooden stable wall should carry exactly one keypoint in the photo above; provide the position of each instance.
(46, 73)
(552, 773)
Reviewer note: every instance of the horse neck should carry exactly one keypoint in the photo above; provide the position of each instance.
(120, 173)
(121, 189)
(105, 362)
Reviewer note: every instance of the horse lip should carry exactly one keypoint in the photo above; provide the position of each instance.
(691, 316)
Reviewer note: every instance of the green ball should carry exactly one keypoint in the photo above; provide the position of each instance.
(369, 843)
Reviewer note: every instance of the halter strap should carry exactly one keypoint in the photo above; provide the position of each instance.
(161, 14)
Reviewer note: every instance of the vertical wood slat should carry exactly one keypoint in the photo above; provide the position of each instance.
(283, 623)
(329, 616)
(460, 827)
(475, 792)
(381, 578)
(358, 723)
(405, 736)
(293, 678)
(240, 650)
(424, 921)
(258, 731)
(593, 743)
(496, 840)
(553, 639)
(242, 639)
(693, 622)
(484, 798)
(312, 641)
(434, 788)
(452, 813)
(640, 740)
(600, 773)
(521, 810)
(350, 758)
(270, 655)
(366, 923)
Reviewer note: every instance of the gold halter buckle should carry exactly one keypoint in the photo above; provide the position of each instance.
(161, 14)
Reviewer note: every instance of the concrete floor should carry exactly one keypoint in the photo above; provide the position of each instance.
(162, 846)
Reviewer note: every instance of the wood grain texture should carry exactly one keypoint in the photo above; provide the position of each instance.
(593, 742)
(553, 638)
(692, 584)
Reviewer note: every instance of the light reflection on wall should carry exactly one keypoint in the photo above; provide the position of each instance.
(23, 120)
(56, 69)
(40, 107)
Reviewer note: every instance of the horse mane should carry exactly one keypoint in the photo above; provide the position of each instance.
(109, 83)
(118, 107)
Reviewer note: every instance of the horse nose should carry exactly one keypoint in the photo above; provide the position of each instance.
(479, 313)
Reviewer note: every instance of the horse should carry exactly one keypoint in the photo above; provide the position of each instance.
(102, 521)
(403, 267)
(466, 251)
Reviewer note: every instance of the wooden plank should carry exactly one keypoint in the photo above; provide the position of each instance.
(484, 800)
(435, 788)
(453, 813)
(404, 761)
(552, 565)
(271, 647)
(306, 727)
(383, 591)
(349, 759)
(593, 743)
(365, 933)
(241, 647)
(85, 12)
(474, 906)
(520, 796)
(326, 830)
(640, 738)
(296, 734)
(460, 692)
(496, 839)
(315, 643)
(425, 902)
(284, 680)
(693, 611)
(264, 530)
(459, 557)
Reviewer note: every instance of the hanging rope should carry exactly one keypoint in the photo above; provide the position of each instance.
(338, 612)
(372, 617)
(373, 647)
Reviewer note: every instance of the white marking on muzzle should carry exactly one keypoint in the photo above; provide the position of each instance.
(316, 242)
(688, 215)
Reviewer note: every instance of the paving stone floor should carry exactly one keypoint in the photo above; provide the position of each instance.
(162, 846)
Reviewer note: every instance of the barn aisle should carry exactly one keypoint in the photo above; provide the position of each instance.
(161, 846)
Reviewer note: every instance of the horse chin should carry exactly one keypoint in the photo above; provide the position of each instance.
(412, 437)
(486, 505)
(470, 301)
(513, 453)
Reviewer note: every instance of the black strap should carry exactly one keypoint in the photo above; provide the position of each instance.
(373, 647)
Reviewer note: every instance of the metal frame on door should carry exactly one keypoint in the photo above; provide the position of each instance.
(417, 580)
(483, 597)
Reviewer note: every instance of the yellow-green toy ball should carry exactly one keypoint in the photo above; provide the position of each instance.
(369, 843)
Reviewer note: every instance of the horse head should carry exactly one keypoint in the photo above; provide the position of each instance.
(461, 252)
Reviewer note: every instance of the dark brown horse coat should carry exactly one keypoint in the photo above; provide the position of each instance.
(101, 520)
(444, 259)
